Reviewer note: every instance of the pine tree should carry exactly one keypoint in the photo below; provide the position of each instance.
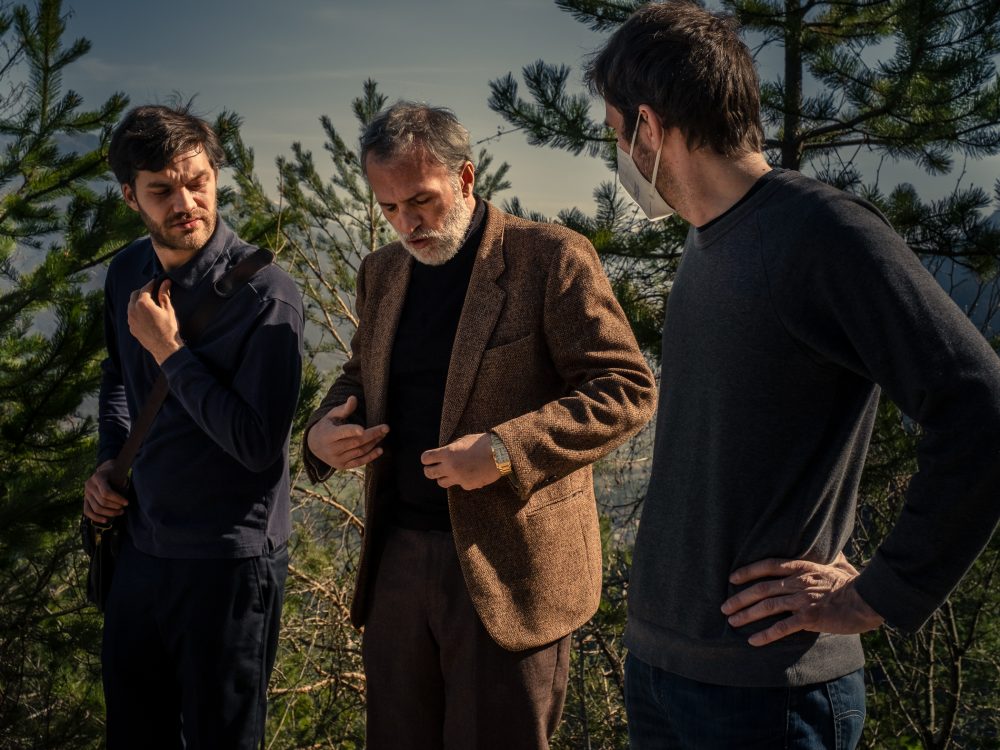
(60, 220)
(862, 86)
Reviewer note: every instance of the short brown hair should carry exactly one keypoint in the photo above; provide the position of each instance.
(151, 136)
(691, 67)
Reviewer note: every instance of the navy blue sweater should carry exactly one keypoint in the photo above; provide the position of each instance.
(786, 317)
(211, 478)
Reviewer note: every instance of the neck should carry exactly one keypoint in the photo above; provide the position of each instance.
(713, 184)
(171, 258)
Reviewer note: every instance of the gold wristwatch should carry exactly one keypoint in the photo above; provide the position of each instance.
(500, 456)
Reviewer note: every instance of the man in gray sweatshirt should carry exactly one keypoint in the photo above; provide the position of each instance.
(794, 304)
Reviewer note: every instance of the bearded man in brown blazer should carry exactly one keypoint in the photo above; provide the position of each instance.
(491, 366)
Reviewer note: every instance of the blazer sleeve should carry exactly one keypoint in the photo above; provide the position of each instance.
(348, 383)
(610, 391)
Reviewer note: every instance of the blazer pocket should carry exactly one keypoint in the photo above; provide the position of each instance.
(551, 503)
(509, 350)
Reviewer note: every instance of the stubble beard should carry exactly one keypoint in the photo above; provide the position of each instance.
(671, 189)
(185, 242)
(446, 241)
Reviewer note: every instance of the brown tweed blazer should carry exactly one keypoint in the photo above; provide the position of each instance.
(543, 357)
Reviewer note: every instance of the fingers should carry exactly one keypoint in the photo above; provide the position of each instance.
(344, 410)
(371, 435)
(100, 501)
(363, 454)
(466, 462)
(780, 629)
(771, 568)
(817, 596)
(93, 510)
(758, 592)
(433, 456)
(345, 446)
(146, 290)
(141, 297)
(164, 295)
(769, 607)
(435, 467)
(842, 563)
(440, 474)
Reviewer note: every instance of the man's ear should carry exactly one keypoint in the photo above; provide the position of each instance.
(129, 195)
(467, 177)
(650, 128)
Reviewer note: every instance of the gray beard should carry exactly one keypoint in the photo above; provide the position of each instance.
(447, 240)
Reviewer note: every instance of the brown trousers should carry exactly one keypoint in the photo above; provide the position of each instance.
(436, 680)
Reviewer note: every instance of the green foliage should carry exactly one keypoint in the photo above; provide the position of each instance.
(912, 79)
(58, 224)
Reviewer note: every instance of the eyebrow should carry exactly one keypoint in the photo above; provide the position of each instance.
(171, 183)
(405, 200)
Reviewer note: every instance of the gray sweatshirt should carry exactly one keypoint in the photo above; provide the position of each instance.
(785, 317)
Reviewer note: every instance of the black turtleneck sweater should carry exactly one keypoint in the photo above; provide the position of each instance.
(418, 372)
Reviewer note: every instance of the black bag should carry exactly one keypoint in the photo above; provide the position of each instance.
(103, 542)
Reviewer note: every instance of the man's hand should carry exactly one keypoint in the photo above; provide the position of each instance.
(820, 598)
(100, 502)
(345, 446)
(153, 321)
(467, 462)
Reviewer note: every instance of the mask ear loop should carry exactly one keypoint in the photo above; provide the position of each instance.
(631, 151)
(635, 132)
(656, 166)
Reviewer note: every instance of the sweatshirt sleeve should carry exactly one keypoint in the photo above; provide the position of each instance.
(249, 415)
(859, 298)
(113, 420)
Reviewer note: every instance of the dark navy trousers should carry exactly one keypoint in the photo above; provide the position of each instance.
(188, 650)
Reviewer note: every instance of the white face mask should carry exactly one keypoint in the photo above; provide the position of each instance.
(641, 190)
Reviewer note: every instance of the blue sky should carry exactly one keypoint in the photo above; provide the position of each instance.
(283, 65)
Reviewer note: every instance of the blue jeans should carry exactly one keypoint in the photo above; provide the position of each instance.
(670, 712)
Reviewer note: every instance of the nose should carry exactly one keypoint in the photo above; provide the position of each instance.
(408, 221)
(184, 202)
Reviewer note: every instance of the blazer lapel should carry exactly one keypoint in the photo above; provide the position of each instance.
(483, 303)
(390, 307)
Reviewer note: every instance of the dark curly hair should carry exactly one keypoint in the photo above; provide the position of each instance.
(151, 136)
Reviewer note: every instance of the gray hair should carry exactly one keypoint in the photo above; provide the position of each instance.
(409, 127)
